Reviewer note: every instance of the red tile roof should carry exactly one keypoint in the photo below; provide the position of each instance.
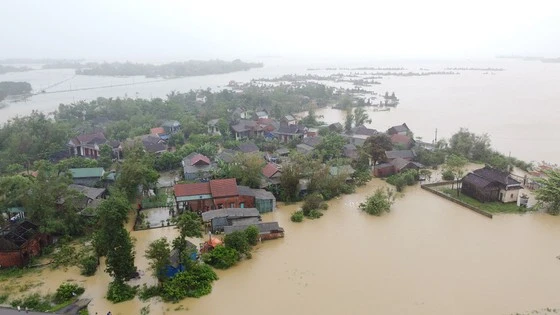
(269, 170)
(157, 131)
(195, 160)
(223, 187)
(182, 190)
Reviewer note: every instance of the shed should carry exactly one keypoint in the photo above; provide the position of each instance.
(19, 242)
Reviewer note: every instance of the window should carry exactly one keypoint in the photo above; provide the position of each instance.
(512, 196)
(220, 206)
(242, 205)
(232, 205)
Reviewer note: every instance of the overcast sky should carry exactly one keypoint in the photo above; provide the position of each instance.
(180, 30)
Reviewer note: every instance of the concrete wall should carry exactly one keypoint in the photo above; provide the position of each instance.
(510, 195)
(429, 188)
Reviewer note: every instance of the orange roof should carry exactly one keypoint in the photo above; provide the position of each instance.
(157, 131)
(269, 170)
(182, 190)
(223, 187)
(214, 242)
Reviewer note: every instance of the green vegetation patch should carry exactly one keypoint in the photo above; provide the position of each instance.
(492, 207)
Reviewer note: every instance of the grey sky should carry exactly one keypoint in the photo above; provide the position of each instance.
(178, 30)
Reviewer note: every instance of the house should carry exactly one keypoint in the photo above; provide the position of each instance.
(233, 213)
(401, 164)
(383, 170)
(267, 230)
(239, 113)
(402, 142)
(260, 115)
(312, 132)
(153, 144)
(171, 126)
(159, 132)
(227, 156)
(342, 170)
(214, 194)
(175, 265)
(197, 166)
(92, 195)
(271, 173)
(357, 140)
(288, 133)
(15, 213)
(401, 130)
(489, 184)
(248, 147)
(288, 120)
(336, 127)
(304, 148)
(403, 154)
(213, 127)
(246, 129)
(19, 242)
(87, 145)
(364, 131)
(218, 219)
(87, 176)
(350, 151)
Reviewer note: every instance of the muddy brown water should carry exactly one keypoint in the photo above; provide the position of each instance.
(427, 256)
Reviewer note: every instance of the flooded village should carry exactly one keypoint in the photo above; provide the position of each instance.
(462, 234)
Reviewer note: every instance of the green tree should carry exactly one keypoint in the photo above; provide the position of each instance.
(289, 182)
(456, 165)
(238, 241)
(361, 117)
(331, 146)
(348, 121)
(252, 233)
(188, 224)
(247, 169)
(222, 257)
(379, 202)
(105, 157)
(120, 255)
(375, 147)
(158, 253)
(548, 194)
(195, 282)
(112, 214)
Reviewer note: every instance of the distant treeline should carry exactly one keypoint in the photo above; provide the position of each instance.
(532, 58)
(13, 88)
(175, 69)
(31, 61)
(475, 69)
(6, 69)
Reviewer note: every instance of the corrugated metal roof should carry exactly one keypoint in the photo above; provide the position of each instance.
(91, 172)
(230, 213)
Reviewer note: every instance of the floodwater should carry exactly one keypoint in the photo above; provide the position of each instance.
(427, 256)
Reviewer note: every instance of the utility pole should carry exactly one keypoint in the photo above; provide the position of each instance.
(435, 138)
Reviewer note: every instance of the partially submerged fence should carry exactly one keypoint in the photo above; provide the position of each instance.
(429, 188)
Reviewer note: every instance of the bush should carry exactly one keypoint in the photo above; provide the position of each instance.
(33, 302)
(195, 282)
(312, 202)
(222, 257)
(297, 216)
(378, 203)
(149, 292)
(447, 175)
(88, 265)
(238, 241)
(314, 214)
(67, 291)
(252, 233)
(120, 292)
